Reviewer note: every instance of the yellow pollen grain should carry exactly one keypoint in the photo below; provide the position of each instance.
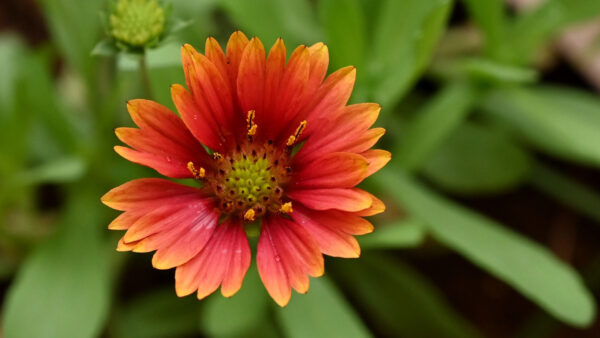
(252, 130)
(249, 215)
(198, 174)
(286, 208)
(217, 156)
(293, 138)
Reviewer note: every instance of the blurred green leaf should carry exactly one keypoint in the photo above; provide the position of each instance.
(322, 312)
(345, 31)
(105, 47)
(524, 264)
(532, 29)
(293, 20)
(236, 316)
(405, 36)
(158, 314)
(397, 300)
(59, 170)
(498, 73)
(476, 160)
(562, 122)
(62, 289)
(434, 122)
(490, 17)
(566, 190)
(406, 233)
(75, 27)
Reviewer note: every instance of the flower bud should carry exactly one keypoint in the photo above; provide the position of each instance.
(137, 23)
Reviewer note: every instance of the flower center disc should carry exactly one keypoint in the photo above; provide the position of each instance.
(251, 181)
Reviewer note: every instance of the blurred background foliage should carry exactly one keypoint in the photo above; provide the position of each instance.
(493, 119)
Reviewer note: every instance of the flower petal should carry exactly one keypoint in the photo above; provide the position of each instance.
(377, 159)
(125, 220)
(331, 241)
(223, 261)
(251, 77)
(335, 170)
(286, 255)
(376, 207)
(197, 119)
(341, 131)
(346, 222)
(235, 48)
(353, 199)
(149, 193)
(163, 142)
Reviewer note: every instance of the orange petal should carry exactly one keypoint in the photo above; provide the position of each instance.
(331, 241)
(251, 77)
(377, 159)
(197, 118)
(333, 93)
(125, 220)
(346, 222)
(336, 198)
(215, 54)
(319, 61)
(335, 170)
(235, 48)
(149, 193)
(376, 207)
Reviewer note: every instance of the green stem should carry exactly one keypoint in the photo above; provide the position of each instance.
(145, 77)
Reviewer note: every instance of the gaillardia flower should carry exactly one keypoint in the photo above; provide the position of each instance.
(271, 144)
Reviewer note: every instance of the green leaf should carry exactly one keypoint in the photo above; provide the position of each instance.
(62, 289)
(561, 122)
(566, 190)
(292, 20)
(105, 47)
(396, 300)
(405, 233)
(434, 123)
(75, 28)
(158, 314)
(476, 160)
(322, 312)
(235, 316)
(525, 265)
(498, 73)
(405, 36)
(534, 28)
(60, 170)
(345, 30)
(490, 17)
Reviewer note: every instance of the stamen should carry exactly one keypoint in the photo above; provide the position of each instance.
(217, 156)
(250, 125)
(286, 208)
(294, 138)
(198, 174)
(249, 215)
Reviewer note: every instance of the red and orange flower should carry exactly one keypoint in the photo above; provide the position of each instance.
(271, 143)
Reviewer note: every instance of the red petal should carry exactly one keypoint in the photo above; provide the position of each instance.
(162, 142)
(215, 54)
(331, 241)
(346, 222)
(336, 170)
(125, 220)
(197, 118)
(341, 131)
(274, 68)
(333, 93)
(319, 61)
(289, 100)
(224, 260)
(149, 193)
(211, 92)
(286, 255)
(251, 77)
(336, 198)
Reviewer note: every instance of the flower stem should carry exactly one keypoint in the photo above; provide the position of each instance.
(145, 77)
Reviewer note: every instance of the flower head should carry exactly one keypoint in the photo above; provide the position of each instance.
(137, 23)
(284, 152)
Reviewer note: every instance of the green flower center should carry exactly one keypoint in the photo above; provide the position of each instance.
(137, 22)
(250, 180)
